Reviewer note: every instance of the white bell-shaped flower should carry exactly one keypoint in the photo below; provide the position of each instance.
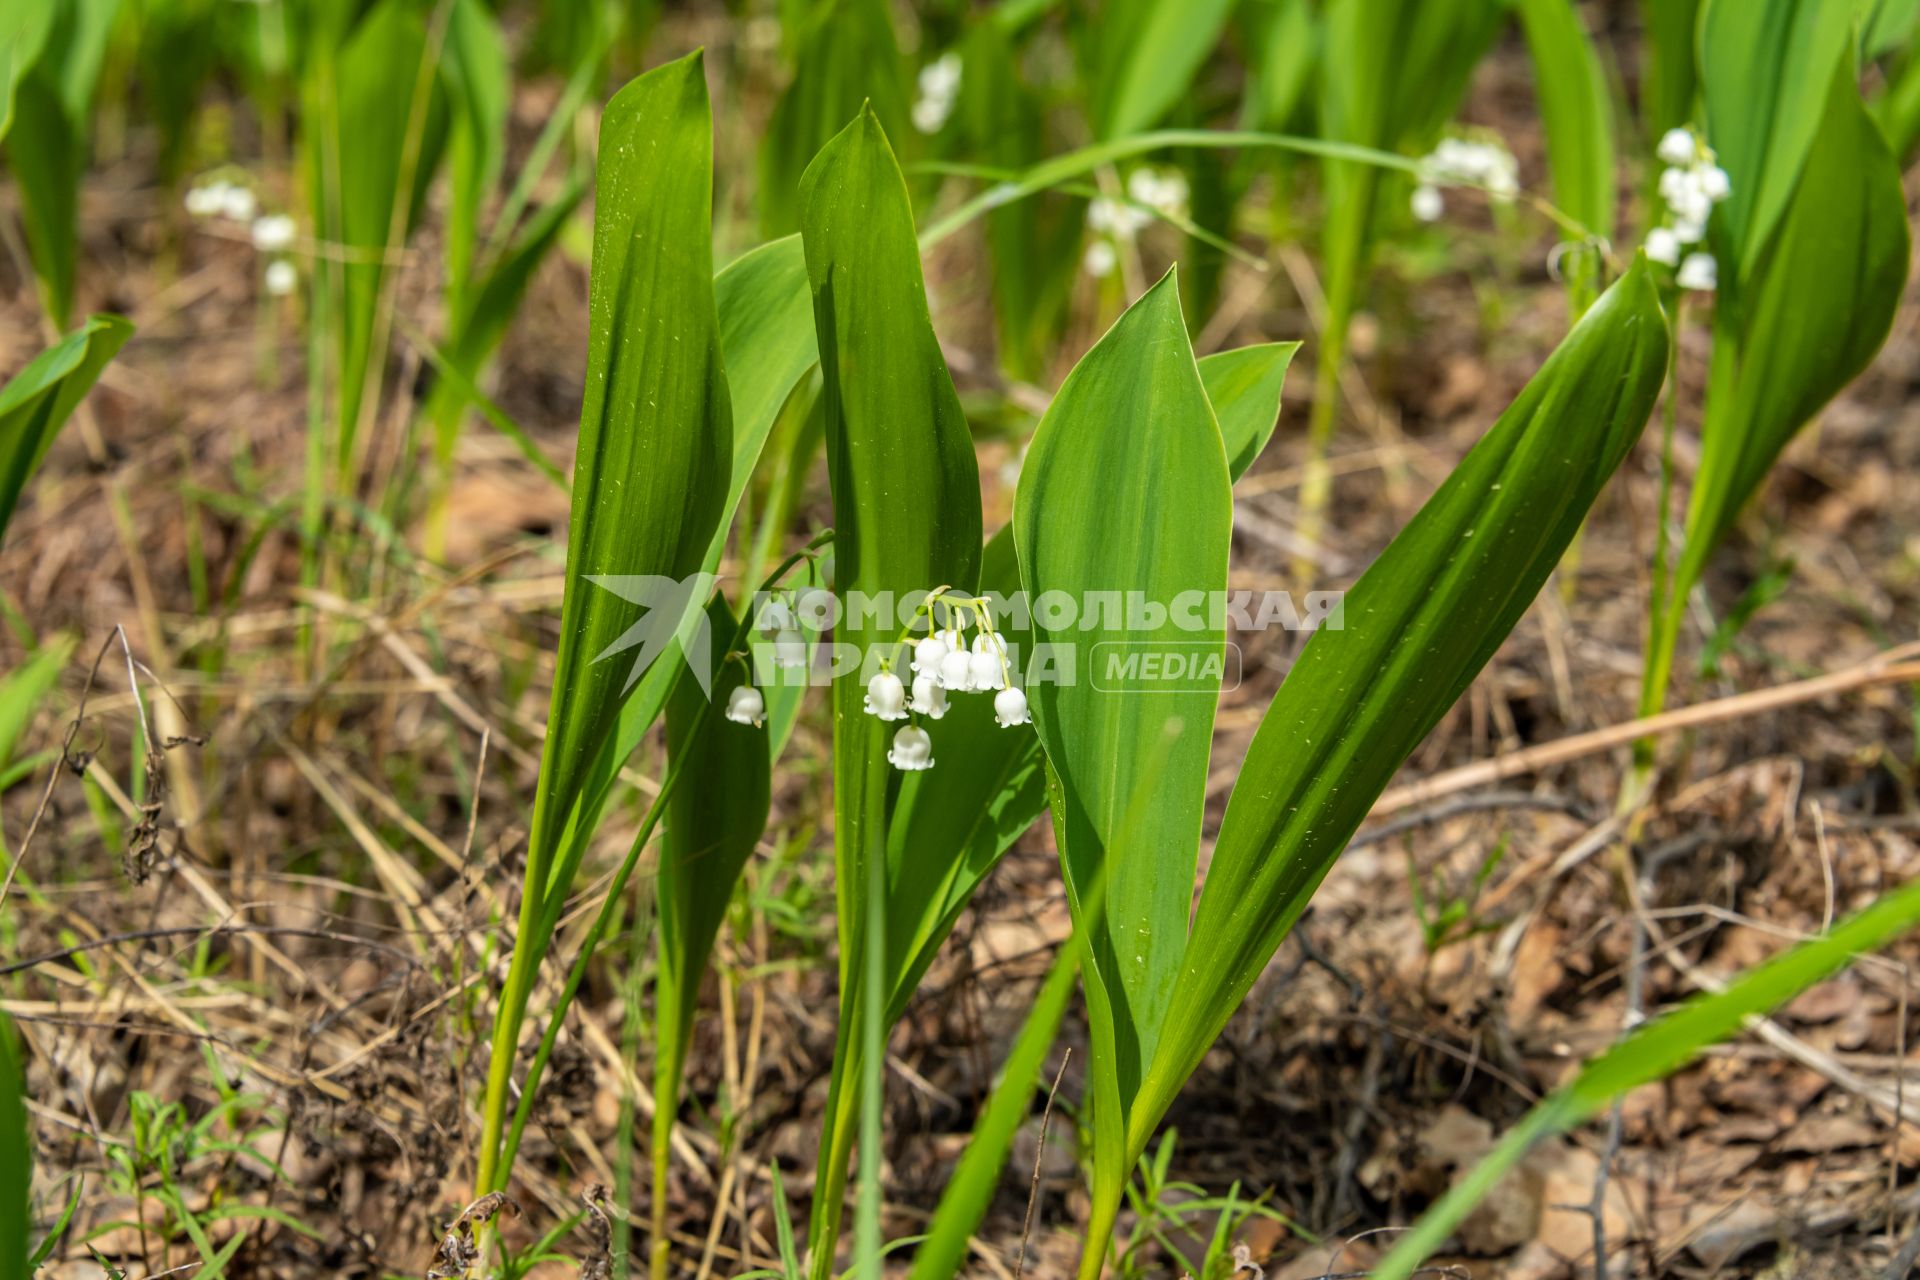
(1676, 146)
(273, 233)
(1427, 203)
(1100, 259)
(777, 615)
(789, 650)
(206, 201)
(1663, 246)
(929, 697)
(886, 697)
(281, 278)
(1699, 272)
(746, 706)
(237, 203)
(912, 750)
(928, 653)
(1715, 183)
(984, 671)
(1010, 708)
(956, 671)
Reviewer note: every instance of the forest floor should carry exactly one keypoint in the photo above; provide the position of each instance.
(304, 934)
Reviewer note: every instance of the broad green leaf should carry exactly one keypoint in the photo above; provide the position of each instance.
(1576, 110)
(1813, 313)
(1792, 330)
(951, 826)
(1767, 69)
(1886, 25)
(1656, 1050)
(1125, 493)
(1244, 385)
(23, 689)
(1417, 628)
(847, 57)
(1287, 42)
(650, 474)
(23, 32)
(766, 338)
(711, 828)
(474, 68)
(178, 52)
(1393, 71)
(1667, 76)
(1034, 243)
(906, 500)
(47, 149)
(1145, 54)
(16, 1161)
(37, 401)
(362, 137)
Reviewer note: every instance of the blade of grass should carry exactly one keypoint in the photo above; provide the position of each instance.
(1656, 1050)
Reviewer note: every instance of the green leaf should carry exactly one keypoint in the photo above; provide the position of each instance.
(906, 498)
(1767, 69)
(1576, 109)
(650, 474)
(848, 57)
(766, 337)
(53, 105)
(950, 826)
(1243, 385)
(1125, 493)
(16, 1161)
(1655, 1051)
(478, 87)
(37, 401)
(1393, 71)
(23, 33)
(976, 1178)
(359, 142)
(1668, 76)
(1145, 55)
(1815, 311)
(1792, 330)
(23, 689)
(1417, 628)
(1287, 37)
(487, 310)
(711, 829)
(1034, 243)
(178, 51)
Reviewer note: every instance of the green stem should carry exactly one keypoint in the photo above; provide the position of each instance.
(1663, 609)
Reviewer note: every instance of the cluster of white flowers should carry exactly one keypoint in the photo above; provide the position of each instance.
(1148, 193)
(221, 199)
(939, 91)
(1690, 185)
(272, 234)
(1479, 162)
(943, 662)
